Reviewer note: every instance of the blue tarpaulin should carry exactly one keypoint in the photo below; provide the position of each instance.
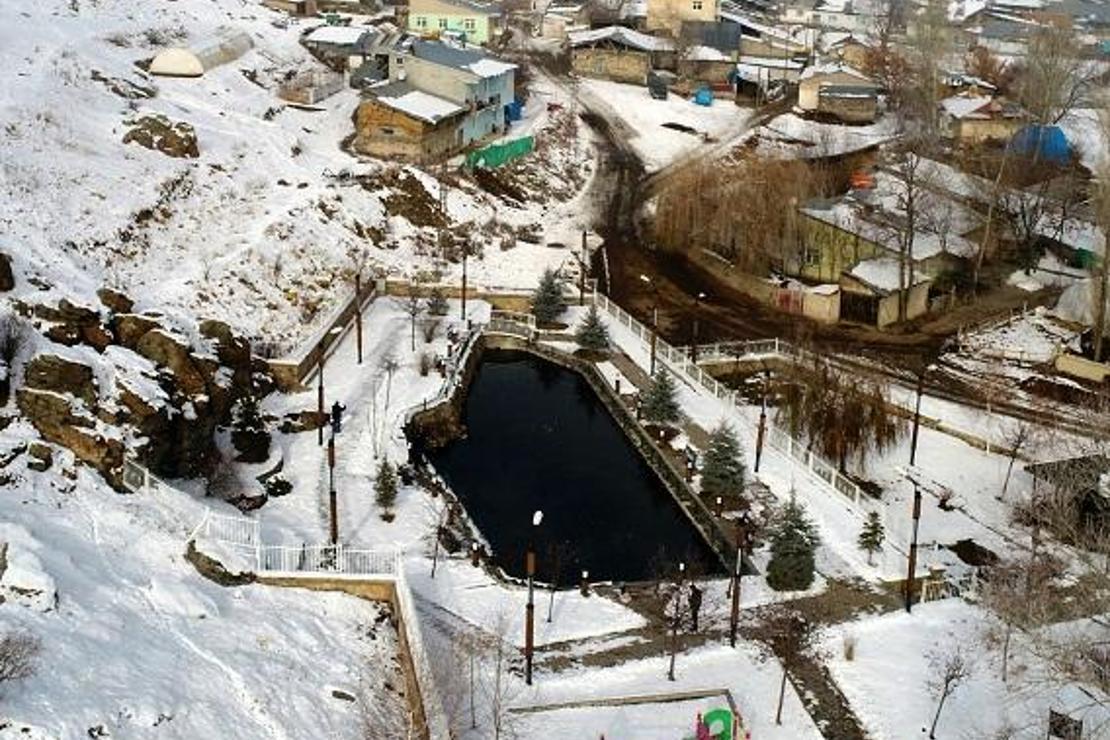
(1047, 142)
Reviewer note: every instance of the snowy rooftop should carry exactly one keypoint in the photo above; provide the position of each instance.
(336, 34)
(620, 35)
(769, 63)
(416, 103)
(465, 59)
(883, 273)
(830, 68)
(705, 54)
(970, 106)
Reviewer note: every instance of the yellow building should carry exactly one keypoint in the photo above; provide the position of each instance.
(667, 16)
(970, 119)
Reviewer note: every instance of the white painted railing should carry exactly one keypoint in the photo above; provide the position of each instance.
(778, 439)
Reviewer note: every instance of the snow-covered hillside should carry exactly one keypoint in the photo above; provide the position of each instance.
(136, 643)
(256, 230)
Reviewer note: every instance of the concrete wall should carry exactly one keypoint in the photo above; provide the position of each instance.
(382, 591)
(917, 305)
(385, 132)
(1081, 367)
(823, 307)
(808, 88)
(849, 109)
(620, 65)
(970, 131)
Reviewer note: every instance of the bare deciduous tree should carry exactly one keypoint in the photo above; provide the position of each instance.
(949, 670)
(18, 655)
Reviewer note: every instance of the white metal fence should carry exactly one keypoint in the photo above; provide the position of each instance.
(780, 440)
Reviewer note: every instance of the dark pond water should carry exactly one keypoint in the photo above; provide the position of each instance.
(539, 438)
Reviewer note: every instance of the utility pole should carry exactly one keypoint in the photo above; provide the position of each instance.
(762, 431)
(358, 315)
(734, 617)
(916, 416)
(530, 609)
(320, 418)
(675, 620)
(582, 271)
(912, 566)
(697, 310)
(654, 318)
(466, 250)
(333, 529)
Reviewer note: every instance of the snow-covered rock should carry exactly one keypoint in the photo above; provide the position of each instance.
(23, 580)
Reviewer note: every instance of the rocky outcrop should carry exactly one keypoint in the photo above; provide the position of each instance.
(70, 324)
(56, 418)
(115, 301)
(54, 373)
(156, 132)
(173, 410)
(7, 275)
(129, 328)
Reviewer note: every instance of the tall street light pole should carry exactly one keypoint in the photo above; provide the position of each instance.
(911, 565)
(734, 617)
(675, 618)
(654, 318)
(466, 249)
(761, 432)
(358, 315)
(697, 312)
(530, 610)
(333, 528)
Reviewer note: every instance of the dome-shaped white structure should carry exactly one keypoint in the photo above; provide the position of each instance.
(176, 63)
(226, 45)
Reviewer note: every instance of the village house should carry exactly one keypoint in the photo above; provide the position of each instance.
(971, 119)
(339, 47)
(437, 100)
(848, 48)
(838, 234)
(619, 54)
(838, 90)
(857, 16)
(398, 121)
(477, 23)
(871, 292)
(292, 7)
(667, 16)
(556, 21)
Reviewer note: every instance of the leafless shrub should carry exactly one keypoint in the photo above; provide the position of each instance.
(18, 653)
(430, 327)
(850, 647)
(949, 670)
(13, 337)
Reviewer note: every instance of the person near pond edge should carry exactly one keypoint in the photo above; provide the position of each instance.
(695, 605)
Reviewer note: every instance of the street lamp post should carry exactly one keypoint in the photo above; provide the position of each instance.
(530, 609)
(462, 312)
(911, 565)
(654, 318)
(675, 619)
(358, 315)
(761, 432)
(333, 528)
(697, 312)
(734, 615)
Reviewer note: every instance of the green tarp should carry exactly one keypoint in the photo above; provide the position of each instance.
(496, 155)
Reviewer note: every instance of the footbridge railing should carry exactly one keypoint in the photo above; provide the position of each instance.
(679, 362)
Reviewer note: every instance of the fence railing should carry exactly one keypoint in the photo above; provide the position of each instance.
(778, 438)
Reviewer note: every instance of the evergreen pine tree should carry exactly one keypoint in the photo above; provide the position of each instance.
(437, 303)
(548, 302)
(661, 400)
(793, 544)
(592, 333)
(722, 471)
(385, 486)
(872, 535)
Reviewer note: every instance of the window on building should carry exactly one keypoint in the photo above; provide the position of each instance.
(386, 131)
(421, 22)
(697, 4)
(468, 24)
(443, 23)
